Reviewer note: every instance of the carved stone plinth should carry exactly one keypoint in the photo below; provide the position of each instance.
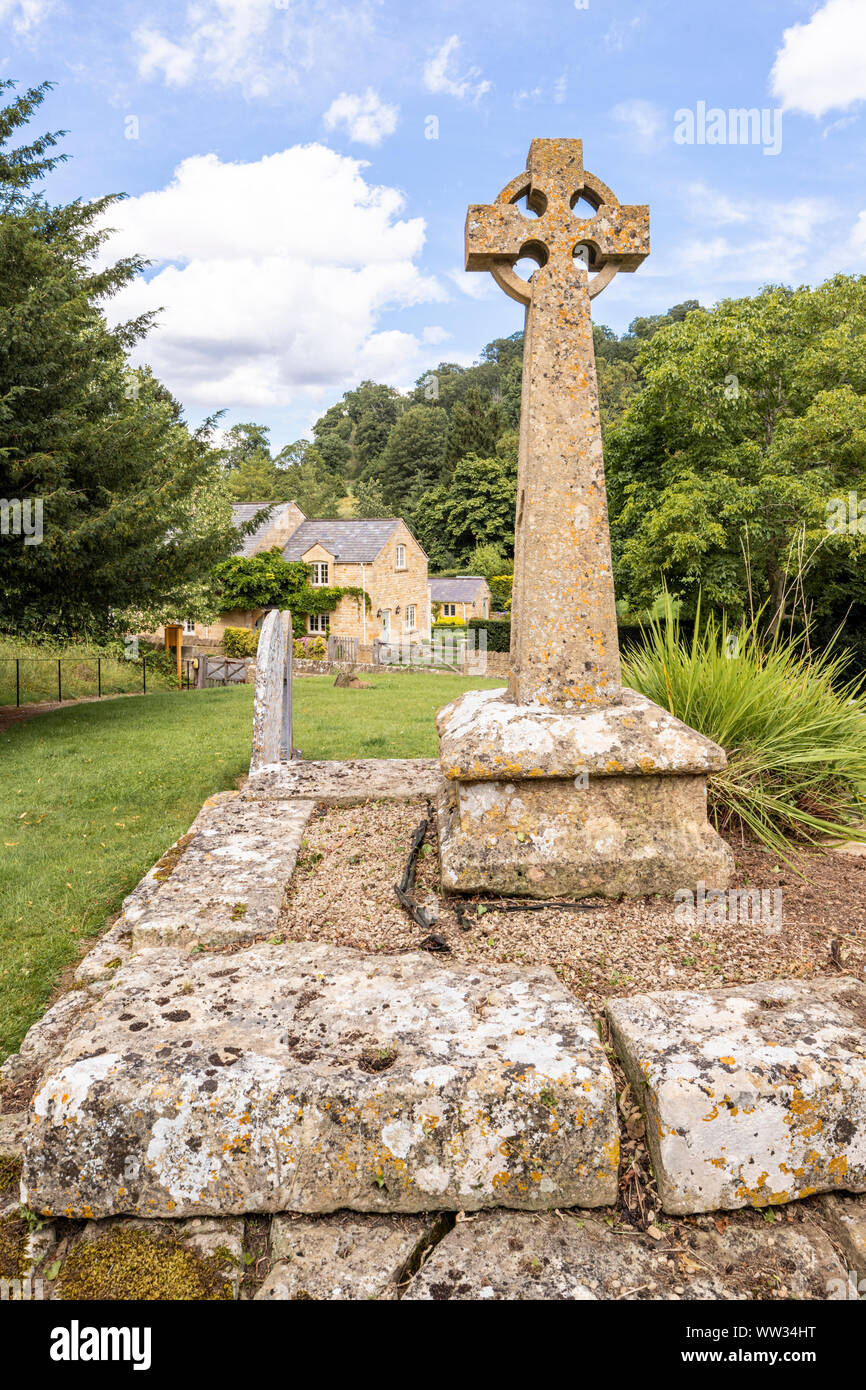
(550, 803)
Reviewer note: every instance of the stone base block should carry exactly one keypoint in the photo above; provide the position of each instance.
(753, 1095)
(308, 1078)
(615, 837)
(550, 803)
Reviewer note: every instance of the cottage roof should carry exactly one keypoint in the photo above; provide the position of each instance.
(350, 542)
(245, 511)
(464, 589)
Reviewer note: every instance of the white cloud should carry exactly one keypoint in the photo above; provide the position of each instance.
(821, 65)
(474, 284)
(273, 277)
(258, 45)
(366, 119)
(857, 240)
(641, 122)
(620, 34)
(778, 241)
(711, 206)
(25, 14)
(440, 74)
(158, 54)
(435, 334)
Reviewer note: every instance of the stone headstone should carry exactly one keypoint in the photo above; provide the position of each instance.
(272, 725)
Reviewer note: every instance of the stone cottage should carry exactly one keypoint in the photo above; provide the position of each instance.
(380, 557)
(467, 596)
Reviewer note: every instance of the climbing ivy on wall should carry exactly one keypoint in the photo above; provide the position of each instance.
(268, 581)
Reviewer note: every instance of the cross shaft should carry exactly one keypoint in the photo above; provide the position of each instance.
(564, 647)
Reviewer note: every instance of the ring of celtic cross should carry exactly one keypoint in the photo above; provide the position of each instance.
(499, 234)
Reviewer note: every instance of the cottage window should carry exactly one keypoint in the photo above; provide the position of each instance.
(410, 615)
(320, 574)
(401, 557)
(449, 610)
(318, 622)
(189, 627)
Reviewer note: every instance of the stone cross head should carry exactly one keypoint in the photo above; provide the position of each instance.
(498, 234)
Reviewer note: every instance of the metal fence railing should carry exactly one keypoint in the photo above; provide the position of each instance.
(34, 679)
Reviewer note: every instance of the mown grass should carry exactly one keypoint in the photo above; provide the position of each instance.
(92, 795)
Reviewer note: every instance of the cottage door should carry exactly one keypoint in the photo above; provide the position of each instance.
(386, 625)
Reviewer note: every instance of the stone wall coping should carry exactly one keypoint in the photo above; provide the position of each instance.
(484, 736)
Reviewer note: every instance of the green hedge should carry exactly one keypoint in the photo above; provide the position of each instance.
(240, 641)
(498, 632)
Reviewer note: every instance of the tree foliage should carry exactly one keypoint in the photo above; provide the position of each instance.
(750, 420)
(133, 503)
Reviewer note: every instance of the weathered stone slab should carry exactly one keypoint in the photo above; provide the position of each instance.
(846, 1219)
(347, 783)
(512, 1255)
(344, 1257)
(110, 952)
(753, 1095)
(486, 736)
(309, 1078)
(229, 882)
(44, 1039)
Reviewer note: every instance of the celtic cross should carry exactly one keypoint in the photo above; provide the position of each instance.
(564, 647)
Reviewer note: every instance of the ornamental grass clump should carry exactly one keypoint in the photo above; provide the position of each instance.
(793, 726)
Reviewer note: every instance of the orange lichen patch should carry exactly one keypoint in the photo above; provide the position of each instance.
(838, 1167)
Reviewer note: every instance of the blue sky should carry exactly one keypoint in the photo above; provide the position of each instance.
(306, 230)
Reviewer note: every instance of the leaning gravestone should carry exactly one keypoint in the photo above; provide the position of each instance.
(272, 703)
(566, 783)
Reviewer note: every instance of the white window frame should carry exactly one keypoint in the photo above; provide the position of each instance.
(318, 624)
(401, 557)
(320, 572)
(411, 615)
(188, 627)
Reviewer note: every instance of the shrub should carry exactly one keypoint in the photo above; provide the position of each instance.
(793, 727)
(449, 622)
(310, 648)
(500, 590)
(240, 641)
(498, 632)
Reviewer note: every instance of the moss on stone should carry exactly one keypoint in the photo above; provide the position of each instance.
(10, 1172)
(13, 1247)
(129, 1264)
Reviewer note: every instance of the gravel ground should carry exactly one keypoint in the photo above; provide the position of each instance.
(342, 892)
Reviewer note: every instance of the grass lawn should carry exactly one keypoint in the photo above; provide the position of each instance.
(92, 795)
